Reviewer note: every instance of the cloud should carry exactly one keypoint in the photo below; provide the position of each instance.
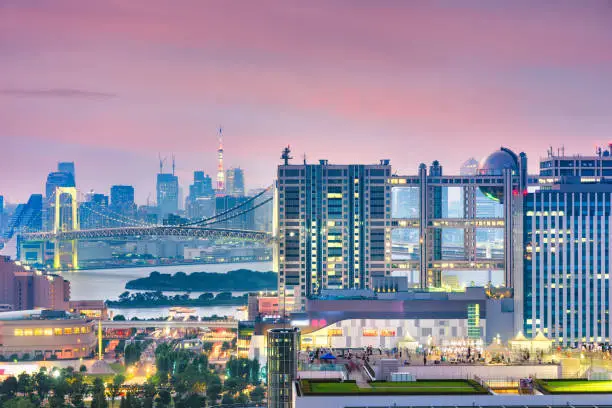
(57, 93)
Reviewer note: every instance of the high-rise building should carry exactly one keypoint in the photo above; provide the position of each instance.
(567, 267)
(246, 219)
(167, 194)
(94, 212)
(234, 182)
(122, 202)
(200, 202)
(57, 179)
(27, 217)
(283, 347)
(1, 205)
(67, 167)
(334, 227)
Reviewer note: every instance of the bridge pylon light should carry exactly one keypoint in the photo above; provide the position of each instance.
(59, 226)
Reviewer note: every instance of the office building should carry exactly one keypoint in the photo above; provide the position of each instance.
(588, 168)
(167, 194)
(241, 218)
(234, 182)
(57, 179)
(67, 167)
(200, 202)
(283, 347)
(93, 213)
(334, 227)
(567, 292)
(122, 202)
(46, 334)
(1, 205)
(27, 217)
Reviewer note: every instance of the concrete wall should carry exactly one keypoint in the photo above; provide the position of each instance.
(450, 400)
(489, 371)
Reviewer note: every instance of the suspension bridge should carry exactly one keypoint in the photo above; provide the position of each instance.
(66, 227)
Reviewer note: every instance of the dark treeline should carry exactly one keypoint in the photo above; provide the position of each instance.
(238, 280)
(156, 299)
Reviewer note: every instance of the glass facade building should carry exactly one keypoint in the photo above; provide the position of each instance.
(567, 263)
(283, 346)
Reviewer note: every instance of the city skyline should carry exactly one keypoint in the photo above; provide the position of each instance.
(338, 78)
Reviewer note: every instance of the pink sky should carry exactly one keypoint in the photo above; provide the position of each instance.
(109, 84)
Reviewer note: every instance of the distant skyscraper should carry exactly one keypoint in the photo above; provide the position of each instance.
(244, 221)
(167, 194)
(94, 212)
(57, 179)
(122, 201)
(27, 217)
(332, 227)
(200, 202)
(220, 170)
(67, 167)
(234, 182)
(1, 205)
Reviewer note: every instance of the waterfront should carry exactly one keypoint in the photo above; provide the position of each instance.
(108, 284)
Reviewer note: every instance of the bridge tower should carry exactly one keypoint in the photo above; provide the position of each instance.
(58, 226)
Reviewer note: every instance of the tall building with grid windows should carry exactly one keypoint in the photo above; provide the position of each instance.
(334, 228)
(567, 242)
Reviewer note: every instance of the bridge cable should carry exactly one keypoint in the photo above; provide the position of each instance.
(221, 214)
(238, 214)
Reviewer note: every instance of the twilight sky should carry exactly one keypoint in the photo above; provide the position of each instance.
(111, 83)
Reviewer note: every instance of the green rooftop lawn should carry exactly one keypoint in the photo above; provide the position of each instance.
(575, 386)
(383, 387)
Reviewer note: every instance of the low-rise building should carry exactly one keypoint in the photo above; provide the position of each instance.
(46, 334)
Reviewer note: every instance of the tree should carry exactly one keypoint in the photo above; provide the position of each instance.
(114, 387)
(42, 383)
(119, 318)
(98, 394)
(78, 390)
(163, 398)
(149, 395)
(9, 387)
(213, 389)
(206, 296)
(83, 368)
(20, 402)
(242, 399)
(24, 384)
(234, 385)
(258, 394)
(132, 353)
(227, 399)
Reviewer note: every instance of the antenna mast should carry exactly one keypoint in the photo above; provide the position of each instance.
(173, 164)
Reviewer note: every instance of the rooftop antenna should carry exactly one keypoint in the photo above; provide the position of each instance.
(173, 164)
(286, 156)
(304, 158)
(161, 163)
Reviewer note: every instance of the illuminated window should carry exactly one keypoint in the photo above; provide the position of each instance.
(18, 332)
(77, 330)
(28, 332)
(67, 330)
(84, 329)
(369, 333)
(38, 332)
(387, 333)
(335, 332)
(57, 331)
(48, 331)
